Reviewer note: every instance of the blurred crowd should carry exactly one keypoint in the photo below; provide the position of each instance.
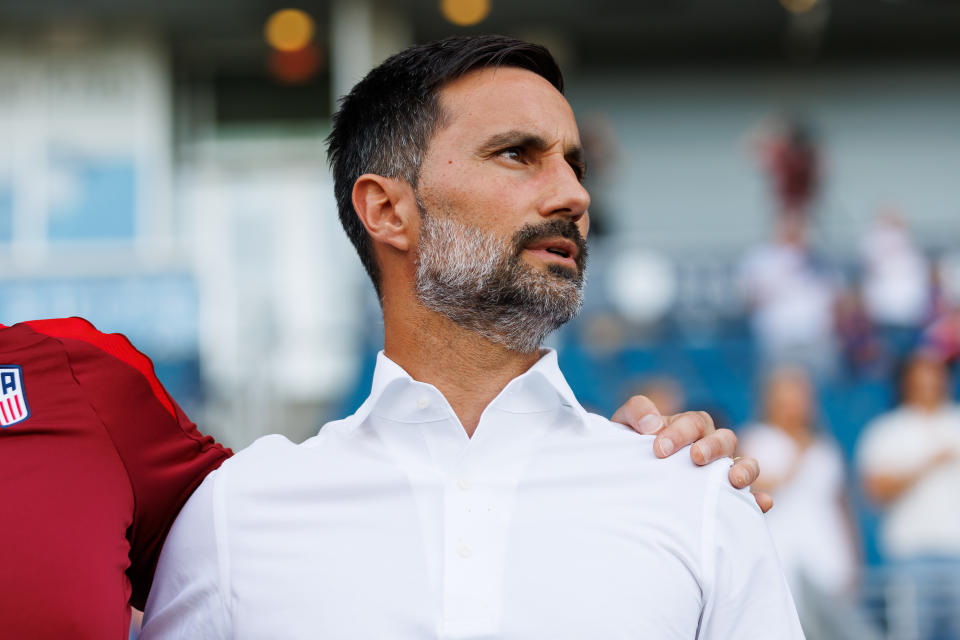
(907, 463)
(897, 319)
(889, 322)
(805, 310)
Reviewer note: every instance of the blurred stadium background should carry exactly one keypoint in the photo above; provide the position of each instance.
(162, 173)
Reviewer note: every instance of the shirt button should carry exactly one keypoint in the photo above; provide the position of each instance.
(423, 403)
(464, 484)
(464, 551)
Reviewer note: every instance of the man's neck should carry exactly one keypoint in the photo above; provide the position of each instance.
(468, 369)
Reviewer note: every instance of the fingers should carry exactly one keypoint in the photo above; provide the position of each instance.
(640, 414)
(764, 501)
(683, 429)
(722, 443)
(743, 472)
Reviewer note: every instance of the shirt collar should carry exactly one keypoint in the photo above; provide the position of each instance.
(394, 394)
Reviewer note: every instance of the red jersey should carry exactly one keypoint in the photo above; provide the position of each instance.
(95, 462)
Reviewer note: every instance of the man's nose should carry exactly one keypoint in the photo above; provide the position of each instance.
(565, 195)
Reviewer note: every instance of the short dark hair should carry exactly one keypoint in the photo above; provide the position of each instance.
(383, 126)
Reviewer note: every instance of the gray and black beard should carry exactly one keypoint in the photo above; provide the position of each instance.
(481, 283)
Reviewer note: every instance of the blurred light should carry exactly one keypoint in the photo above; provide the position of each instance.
(289, 30)
(295, 67)
(465, 12)
(798, 6)
(642, 285)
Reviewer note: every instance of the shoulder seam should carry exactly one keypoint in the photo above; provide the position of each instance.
(77, 328)
(138, 361)
(103, 425)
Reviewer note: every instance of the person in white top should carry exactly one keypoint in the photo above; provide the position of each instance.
(803, 469)
(909, 461)
(791, 299)
(812, 526)
(896, 275)
(471, 496)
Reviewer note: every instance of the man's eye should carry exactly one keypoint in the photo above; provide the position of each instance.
(513, 153)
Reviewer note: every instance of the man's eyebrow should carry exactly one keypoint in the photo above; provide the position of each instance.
(524, 139)
(514, 138)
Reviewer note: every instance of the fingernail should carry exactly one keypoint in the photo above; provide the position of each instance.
(666, 446)
(698, 448)
(650, 423)
(740, 478)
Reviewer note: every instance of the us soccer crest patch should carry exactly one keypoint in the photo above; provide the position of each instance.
(13, 400)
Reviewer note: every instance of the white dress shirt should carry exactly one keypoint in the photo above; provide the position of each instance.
(392, 524)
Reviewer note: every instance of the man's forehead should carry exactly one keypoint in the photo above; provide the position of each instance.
(511, 97)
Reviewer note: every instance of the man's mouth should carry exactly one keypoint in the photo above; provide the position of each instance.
(556, 250)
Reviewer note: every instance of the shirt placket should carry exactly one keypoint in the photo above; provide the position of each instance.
(479, 497)
(470, 559)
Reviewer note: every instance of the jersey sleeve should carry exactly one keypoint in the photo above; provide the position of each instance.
(164, 454)
(187, 600)
(746, 594)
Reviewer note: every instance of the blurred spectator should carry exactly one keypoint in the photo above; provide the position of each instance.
(603, 333)
(792, 299)
(943, 335)
(896, 283)
(665, 392)
(789, 154)
(863, 352)
(910, 463)
(909, 460)
(803, 470)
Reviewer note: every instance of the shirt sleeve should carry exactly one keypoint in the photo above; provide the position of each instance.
(187, 601)
(164, 454)
(745, 592)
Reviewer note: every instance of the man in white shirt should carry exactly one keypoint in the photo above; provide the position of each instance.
(471, 496)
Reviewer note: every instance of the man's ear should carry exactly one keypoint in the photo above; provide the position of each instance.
(385, 206)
